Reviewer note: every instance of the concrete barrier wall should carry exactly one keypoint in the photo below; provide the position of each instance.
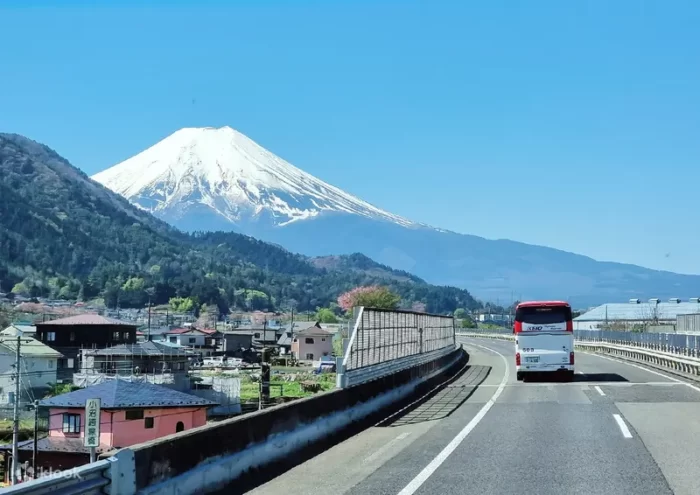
(211, 457)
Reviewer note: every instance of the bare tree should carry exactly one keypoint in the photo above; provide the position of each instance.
(649, 315)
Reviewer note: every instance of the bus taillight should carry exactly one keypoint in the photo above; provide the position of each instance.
(571, 358)
(569, 326)
(517, 358)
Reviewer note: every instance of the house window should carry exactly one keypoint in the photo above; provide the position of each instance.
(148, 423)
(323, 339)
(180, 426)
(308, 340)
(133, 414)
(70, 363)
(192, 340)
(180, 366)
(125, 335)
(72, 336)
(173, 340)
(115, 336)
(50, 363)
(309, 356)
(50, 336)
(71, 423)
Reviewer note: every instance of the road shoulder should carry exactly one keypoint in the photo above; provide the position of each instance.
(670, 432)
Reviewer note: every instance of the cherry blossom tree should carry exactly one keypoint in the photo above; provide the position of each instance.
(373, 296)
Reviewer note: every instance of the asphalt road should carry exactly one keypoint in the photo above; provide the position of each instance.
(617, 429)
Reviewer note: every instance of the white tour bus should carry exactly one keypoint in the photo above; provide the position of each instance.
(544, 338)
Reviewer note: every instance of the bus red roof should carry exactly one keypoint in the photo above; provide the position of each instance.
(542, 303)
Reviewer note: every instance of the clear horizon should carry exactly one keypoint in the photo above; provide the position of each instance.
(582, 115)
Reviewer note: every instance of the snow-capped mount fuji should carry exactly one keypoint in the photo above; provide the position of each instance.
(199, 177)
(218, 179)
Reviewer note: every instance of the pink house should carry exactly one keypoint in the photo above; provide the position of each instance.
(312, 343)
(131, 413)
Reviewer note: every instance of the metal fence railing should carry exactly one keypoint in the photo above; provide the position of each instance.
(683, 344)
(380, 336)
(666, 342)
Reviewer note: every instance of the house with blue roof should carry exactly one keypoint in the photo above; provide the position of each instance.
(131, 412)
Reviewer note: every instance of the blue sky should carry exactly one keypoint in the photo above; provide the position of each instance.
(567, 124)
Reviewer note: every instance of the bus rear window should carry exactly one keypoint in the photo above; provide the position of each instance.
(543, 315)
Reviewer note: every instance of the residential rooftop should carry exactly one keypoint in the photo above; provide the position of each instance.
(148, 348)
(28, 346)
(87, 319)
(122, 394)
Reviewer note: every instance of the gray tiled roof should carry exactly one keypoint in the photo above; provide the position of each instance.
(120, 394)
(59, 444)
(300, 325)
(285, 339)
(148, 348)
(641, 311)
(312, 331)
(29, 347)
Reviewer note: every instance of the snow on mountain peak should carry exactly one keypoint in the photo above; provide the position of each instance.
(227, 172)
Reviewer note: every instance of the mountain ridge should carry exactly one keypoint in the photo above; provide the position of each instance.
(65, 236)
(491, 269)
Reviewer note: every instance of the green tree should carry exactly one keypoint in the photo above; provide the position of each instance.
(460, 313)
(20, 289)
(182, 304)
(326, 315)
(467, 322)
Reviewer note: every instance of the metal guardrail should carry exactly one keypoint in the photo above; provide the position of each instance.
(113, 476)
(687, 365)
(675, 343)
(385, 341)
(655, 351)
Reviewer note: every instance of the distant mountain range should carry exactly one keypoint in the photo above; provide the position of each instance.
(63, 235)
(202, 179)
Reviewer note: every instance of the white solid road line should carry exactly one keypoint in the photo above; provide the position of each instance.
(623, 427)
(416, 482)
(697, 389)
(599, 390)
(386, 447)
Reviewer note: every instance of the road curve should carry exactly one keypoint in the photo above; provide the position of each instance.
(618, 428)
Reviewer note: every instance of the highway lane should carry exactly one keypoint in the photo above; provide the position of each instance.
(616, 429)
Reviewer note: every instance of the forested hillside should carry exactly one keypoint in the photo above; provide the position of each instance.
(64, 236)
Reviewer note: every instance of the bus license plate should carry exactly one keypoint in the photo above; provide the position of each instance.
(532, 359)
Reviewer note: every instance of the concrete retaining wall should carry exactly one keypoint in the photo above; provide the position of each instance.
(255, 447)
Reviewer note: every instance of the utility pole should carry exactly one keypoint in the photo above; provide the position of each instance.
(149, 315)
(15, 416)
(36, 438)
